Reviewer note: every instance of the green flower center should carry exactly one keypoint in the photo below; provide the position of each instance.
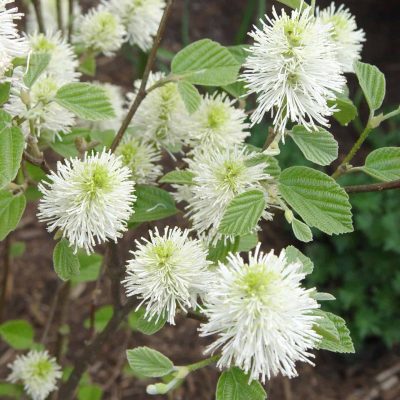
(217, 116)
(128, 152)
(339, 24)
(293, 33)
(230, 174)
(45, 90)
(43, 45)
(257, 282)
(96, 179)
(42, 369)
(164, 253)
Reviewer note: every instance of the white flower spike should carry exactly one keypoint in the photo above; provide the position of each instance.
(292, 67)
(38, 372)
(89, 200)
(262, 316)
(167, 272)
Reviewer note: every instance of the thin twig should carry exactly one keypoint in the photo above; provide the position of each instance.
(270, 138)
(59, 15)
(70, 19)
(39, 16)
(39, 162)
(142, 90)
(6, 275)
(62, 314)
(374, 187)
(114, 271)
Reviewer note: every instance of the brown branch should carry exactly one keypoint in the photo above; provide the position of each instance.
(114, 271)
(375, 187)
(142, 90)
(197, 317)
(39, 162)
(6, 275)
(70, 19)
(39, 16)
(270, 138)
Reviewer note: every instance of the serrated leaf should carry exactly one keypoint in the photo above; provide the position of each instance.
(234, 385)
(237, 89)
(190, 96)
(66, 263)
(318, 146)
(347, 111)
(12, 144)
(178, 177)
(207, 63)
(372, 82)
(317, 198)
(38, 62)
(222, 248)
(138, 322)
(383, 164)
(243, 213)
(17, 333)
(11, 210)
(90, 102)
(302, 231)
(148, 362)
(295, 255)
(335, 334)
(152, 204)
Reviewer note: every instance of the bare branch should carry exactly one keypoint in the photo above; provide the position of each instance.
(374, 187)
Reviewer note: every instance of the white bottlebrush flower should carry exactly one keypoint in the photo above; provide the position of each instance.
(89, 200)
(292, 67)
(162, 117)
(142, 158)
(45, 113)
(141, 19)
(166, 272)
(101, 31)
(63, 62)
(262, 316)
(38, 372)
(11, 43)
(348, 39)
(220, 175)
(219, 123)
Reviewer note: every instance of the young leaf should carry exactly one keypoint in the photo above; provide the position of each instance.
(243, 213)
(11, 210)
(138, 322)
(318, 146)
(317, 198)
(37, 64)
(17, 333)
(384, 164)
(4, 92)
(335, 335)
(234, 385)
(190, 96)
(66, 263)
(321, 296)
(87, 101)
(347, 111)
(207, 63)
(372, 82)
(294, 255)
(90, 392)
(178, 177)
(90, 265)
(148, 362)
(302, 231)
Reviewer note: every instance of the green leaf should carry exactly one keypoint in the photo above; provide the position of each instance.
(302, 231)
(295, 255)
(90, 266)
(148, 362)
(90, 392)
(66, 263)
(220, 251)
(190, 96)
(247, 242)
(138, 322)
(318, 146)
(17, 333)
(372, 82)
(10, 390)
(11, 210)
(102, 317)
(321, 296)
(37, 64)
(243, 213)
(384, 164)
(317, 198)
(90, 102)
(335, 335)
(237, 89)
(152, 204)
(294, 3)
(88, 65)
(4, 92)
(178, 177)
(234, 385)
(11, 149)
(207, 63)
(347, 111)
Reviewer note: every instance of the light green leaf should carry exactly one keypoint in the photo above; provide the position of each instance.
(222, 248)
(234, 385)
(102, 317)
(10, 390)
(190, 96)
(17, 333)
(240, 52)
(90, 102)
(321, 296)
(207, 63)
(37, 64)
(152, 204)
(347, 111)
(138, 322)
(294, 255)
(384, 164)
(318, 146)
(294, 3)
(90, 265)
(317, 198)
(372, 82)
(179, 177)
(90, 392)
(148, 362)
(247, 242)
(88, 65)
(11, 210)
(302, 231)
(66, 263)
(4, 92)
(243, 213)
(335, 334)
